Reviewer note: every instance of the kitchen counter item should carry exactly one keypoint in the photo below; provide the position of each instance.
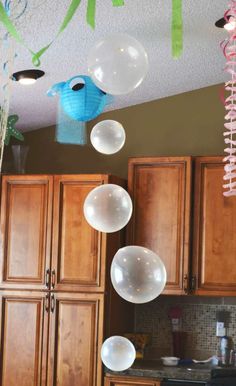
(170, 361)
(140, 341)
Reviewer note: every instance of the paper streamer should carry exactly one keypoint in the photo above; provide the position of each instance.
(177, 29)
(91, 12)
(118, 3)
(229, 50)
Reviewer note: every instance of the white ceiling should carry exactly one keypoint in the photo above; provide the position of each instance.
(149, 21)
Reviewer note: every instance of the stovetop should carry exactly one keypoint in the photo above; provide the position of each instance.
(223, 372)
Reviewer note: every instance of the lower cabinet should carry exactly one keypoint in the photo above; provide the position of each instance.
(130, 381)
(51, 339)
(76, 333)
(24, 331)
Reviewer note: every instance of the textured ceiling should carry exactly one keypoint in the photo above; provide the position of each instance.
(148, 21)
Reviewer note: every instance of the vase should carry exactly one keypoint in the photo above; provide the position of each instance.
(19, 157)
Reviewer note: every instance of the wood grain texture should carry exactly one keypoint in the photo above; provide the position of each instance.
(130, 381)
(214, 249)
(25, 235)
(76, 334)
(160, 188)
(23, 333)
(78, 254)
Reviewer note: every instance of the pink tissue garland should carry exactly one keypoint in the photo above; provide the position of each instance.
(229, 50)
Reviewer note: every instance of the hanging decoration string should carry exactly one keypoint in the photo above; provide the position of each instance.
(91, 11)
(177, 29)
(8, 53)
(229, 50)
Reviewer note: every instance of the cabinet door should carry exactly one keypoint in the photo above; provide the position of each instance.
(76, 331)
(160, 189)
(24, 325)
(25, 235)
(214, 250)
(130, 381)
(78, 249)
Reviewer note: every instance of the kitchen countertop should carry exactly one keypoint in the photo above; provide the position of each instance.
(155, 369)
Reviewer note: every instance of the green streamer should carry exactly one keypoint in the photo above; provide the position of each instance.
(91, 12)
(9, 25)
(70, 13)
(177, 29)
(118, 3)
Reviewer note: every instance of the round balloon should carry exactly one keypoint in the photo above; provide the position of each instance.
(108, 208)
(138, 274)
(118, 64)
(118, 353)
(108, 136)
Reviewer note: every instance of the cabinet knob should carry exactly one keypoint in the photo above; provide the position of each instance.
(52, 303)
(53, 281)
(186, 289)
(193, 283)
(47, 277)
(47, 303)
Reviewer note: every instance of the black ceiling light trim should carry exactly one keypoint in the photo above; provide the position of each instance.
(27, 74)
(221, 22)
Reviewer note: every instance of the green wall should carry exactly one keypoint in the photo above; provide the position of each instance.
(185, 124)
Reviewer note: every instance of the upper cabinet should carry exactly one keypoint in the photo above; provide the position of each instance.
(45, 241)
(25, 235)
(77, 253)
(214, 251)
(160, 190)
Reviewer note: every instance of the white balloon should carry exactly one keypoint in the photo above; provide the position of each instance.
(138, 274)
(108, 136)
(118, 353)
(118, 64)
(108, 208)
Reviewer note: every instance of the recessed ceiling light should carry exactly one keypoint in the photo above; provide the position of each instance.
(27, 77)
(228, 22)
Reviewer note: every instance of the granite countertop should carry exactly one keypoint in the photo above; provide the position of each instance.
(155, 369)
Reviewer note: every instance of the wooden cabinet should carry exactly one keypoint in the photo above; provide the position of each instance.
(76, 334)
(130, 381)
(79, 251)
(160, 190)
(25, 234)
(24, 325)
(214, 249)
(162, 198)
(57, 302)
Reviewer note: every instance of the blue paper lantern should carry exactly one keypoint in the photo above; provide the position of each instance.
(80, 98)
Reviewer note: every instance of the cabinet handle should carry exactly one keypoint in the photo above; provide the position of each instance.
(52, 303)
(47, 303)
(193, 283)
(53, 278)
(185, 283)
(47, 277)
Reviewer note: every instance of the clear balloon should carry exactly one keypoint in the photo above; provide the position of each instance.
(118, 353)
(108, 208)
(108, 136)
(118, 64)
(138, 274)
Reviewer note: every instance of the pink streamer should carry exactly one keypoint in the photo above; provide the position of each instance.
(229, 50)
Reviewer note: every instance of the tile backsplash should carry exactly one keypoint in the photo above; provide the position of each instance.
(198, 322)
